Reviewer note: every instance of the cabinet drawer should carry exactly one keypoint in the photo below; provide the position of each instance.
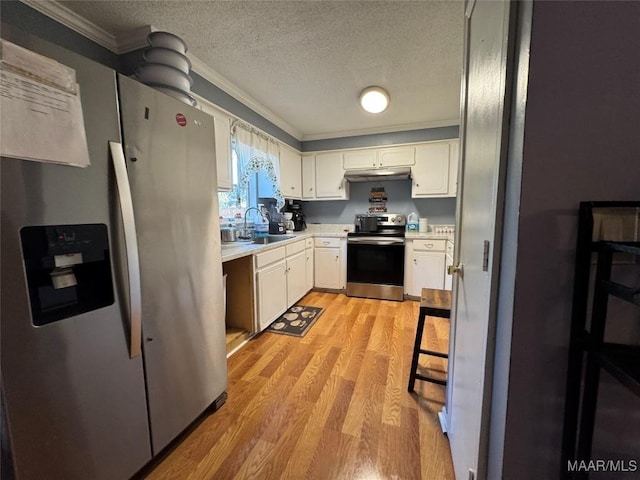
(264, 259)
(429, 245)
(327, 242)
(308, 243)
(294, 248)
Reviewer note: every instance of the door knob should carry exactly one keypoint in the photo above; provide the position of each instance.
(453, 269)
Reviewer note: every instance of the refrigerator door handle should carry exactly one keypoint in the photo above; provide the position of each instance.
(131, 247)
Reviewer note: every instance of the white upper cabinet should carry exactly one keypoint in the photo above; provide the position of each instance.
(436, 164)
(330, 182)
(368, 158)
(454, 160)
(308, 177)
(396, 157)
(360, 159)
(290, 173)
(222, 133)
(223, 153)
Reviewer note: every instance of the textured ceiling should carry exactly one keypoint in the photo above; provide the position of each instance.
(307, 61)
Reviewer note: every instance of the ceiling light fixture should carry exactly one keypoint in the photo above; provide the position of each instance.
(374, 99)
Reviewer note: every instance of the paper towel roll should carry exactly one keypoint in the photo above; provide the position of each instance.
(423, 225)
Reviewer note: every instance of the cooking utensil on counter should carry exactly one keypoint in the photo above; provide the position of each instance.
(228, 234)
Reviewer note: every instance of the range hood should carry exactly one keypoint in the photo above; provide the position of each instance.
(378, 174)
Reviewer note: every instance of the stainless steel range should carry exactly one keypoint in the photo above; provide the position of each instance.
(375, 256)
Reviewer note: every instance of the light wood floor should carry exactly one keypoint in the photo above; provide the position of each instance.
(331, 405)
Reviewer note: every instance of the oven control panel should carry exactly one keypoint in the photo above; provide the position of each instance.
(385, 219)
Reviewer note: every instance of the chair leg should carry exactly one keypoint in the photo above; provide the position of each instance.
(416, 351)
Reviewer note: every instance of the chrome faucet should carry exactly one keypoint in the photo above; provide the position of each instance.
(264, 216)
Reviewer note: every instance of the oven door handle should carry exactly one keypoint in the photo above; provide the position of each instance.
(376, 241)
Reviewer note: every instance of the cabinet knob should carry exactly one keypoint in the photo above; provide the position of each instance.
(417, 184)
(293, 188)
(337, 257)
(415, 261)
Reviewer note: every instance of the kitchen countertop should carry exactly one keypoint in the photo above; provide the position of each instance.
(428, 236)
(234, 250)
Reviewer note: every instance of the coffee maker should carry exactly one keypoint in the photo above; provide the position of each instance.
(297, 218)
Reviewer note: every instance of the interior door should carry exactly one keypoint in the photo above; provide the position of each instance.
(479, 211)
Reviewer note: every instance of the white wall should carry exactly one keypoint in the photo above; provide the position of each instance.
(581, 142)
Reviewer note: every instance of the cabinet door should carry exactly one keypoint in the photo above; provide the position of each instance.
(296, 277)
(223, 153)
(430, 174)
(327, 267)
(308, 176)
(356, 159)
(290, 173)
(396, 157)
(330, 181)
(454, 160)
(308, 269)
(428, 271)
(272, 293)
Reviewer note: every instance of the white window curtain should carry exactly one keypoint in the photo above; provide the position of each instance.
(256, 152)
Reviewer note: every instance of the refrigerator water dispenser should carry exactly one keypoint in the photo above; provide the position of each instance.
(68, 270)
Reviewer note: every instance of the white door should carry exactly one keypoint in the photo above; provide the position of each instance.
(480, 207)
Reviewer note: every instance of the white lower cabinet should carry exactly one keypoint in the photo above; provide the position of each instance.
(424, 265)
(271, 292)
(296, 272)
(328, 260)
(281, 280)
(448, 279)
(308, 251)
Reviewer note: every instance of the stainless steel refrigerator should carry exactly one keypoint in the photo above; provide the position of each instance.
(112, 326)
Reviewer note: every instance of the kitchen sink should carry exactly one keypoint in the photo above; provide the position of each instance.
(272, 239)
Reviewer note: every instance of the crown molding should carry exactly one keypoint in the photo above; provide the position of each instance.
(75, 22)
(134, 40)
(221, 82)
(386, 129)
(138, 39)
